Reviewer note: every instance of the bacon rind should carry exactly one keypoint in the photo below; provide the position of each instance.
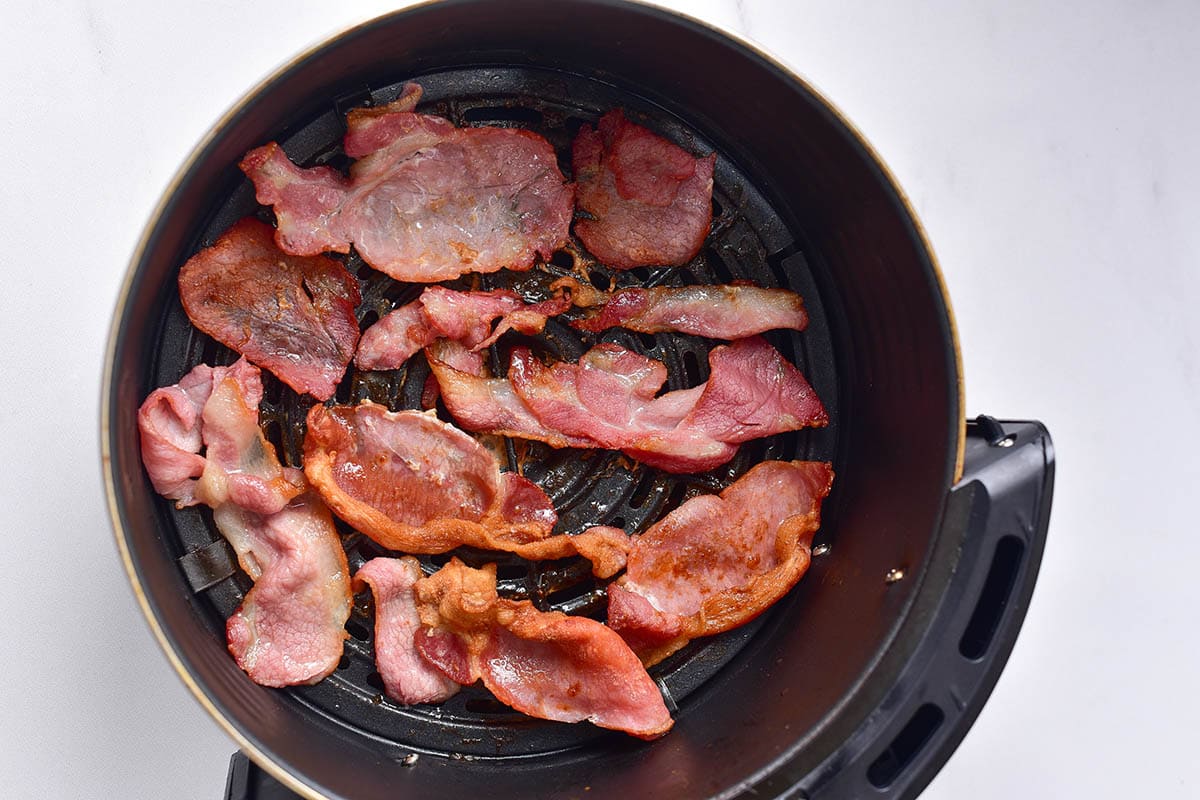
(716, 562)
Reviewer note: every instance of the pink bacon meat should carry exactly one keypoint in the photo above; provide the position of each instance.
(610, 400)
(289, 628)
(647, 201)
(425, 201)
(718, 561)
(407, 676)
(728, 311)
(464, 317)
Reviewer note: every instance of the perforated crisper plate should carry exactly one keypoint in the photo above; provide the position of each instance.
(748, 242)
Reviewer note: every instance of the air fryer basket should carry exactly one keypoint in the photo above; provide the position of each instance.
(840, 684)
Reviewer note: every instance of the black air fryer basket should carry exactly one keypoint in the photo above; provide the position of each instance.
(862, 680)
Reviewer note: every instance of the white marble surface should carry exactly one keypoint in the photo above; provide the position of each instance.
(1052, 151)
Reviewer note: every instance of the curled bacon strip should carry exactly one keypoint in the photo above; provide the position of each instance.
(718, 561)
(545, 664)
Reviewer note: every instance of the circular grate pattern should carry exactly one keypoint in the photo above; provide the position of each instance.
(747, 242)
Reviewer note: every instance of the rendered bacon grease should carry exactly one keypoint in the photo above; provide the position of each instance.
(290, 627)
(425, 201)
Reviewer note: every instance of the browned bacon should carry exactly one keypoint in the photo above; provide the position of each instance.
(545, 664)
(646, 200)
(407, 676)
(415, 484)
(289, 628)
(610, 400)
(291, 315)
(464, 317)
(425, 201)
(718, 561)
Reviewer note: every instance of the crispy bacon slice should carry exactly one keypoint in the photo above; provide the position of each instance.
(545, 664)
(425, 201)
(289, 629)
(648, 201)
(609, 399)
(730, 311)
(291, 315)
(415, 484)
(464, 317)
(718, 561)
(407, 676)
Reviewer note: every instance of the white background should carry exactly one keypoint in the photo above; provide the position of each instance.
(1053, 152)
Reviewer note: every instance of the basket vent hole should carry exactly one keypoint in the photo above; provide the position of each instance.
(600, 280)
(718, 266)
(691, 368)
(563, 259)
(358, 630)
(493, 114)
(374, 680)
(641, 494)
(993, 599)
(911, 739)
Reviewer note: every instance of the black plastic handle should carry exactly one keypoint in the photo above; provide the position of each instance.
(997, 516)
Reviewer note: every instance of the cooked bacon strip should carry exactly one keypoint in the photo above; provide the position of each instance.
(425, 201)
(464, 317)
(240, 464)
(407, 676)
(717, 562)
(169, 423)
(730, 311)
(648, 201)
(415, 484)
(291, 315)
(609, 400)
(290, 627)
(545, 664)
